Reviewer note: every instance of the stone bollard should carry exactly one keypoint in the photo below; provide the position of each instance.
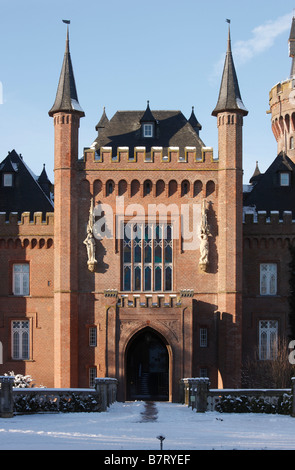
(201, 393)
(6, 396)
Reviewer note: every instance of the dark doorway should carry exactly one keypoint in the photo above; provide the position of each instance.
(147, 367)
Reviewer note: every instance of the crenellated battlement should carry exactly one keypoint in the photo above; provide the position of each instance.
(260, 224)
(26, 218)
(152, 154)
(27, 225)
(261, 217)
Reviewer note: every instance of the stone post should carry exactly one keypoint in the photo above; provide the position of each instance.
(201, 393)
(6, 396)
(186, 391)
(101, 388)
(107, 389)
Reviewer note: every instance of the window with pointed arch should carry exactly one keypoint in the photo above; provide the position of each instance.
(147, 257)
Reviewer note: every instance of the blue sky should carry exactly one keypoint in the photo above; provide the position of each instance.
(125, 53)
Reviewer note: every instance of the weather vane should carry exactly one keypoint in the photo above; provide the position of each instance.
(228, 21)
(66, 21)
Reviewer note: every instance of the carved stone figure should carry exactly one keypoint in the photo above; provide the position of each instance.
(90, 240)
(204, 236)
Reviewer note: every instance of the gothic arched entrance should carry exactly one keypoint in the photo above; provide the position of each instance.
(147, 367)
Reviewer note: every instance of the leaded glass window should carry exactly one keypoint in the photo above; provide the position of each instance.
(268, 339)
(147, 257)
(21, 279)
(20, 339)
(268, 279)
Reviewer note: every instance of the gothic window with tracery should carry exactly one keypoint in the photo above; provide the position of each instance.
(268, 339)
(20, 339)
(268, 279)
(147, 257)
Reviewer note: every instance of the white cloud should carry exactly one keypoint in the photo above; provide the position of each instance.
(263, 37)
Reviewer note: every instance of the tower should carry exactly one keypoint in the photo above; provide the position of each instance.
(66, 113)
(230, 111)
(282, 106)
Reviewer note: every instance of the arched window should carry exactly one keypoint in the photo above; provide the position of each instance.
(185, 188)
(147, 187)
(292, 143)
(110, 188)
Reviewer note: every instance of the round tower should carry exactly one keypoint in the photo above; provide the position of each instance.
(66, 113)
(282, 106)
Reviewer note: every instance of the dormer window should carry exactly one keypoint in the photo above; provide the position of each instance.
(148, 130)
(8, 180)
(284, 179)
(148, 123)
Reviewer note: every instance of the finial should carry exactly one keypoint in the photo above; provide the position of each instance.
(67, 22)
(229, 39)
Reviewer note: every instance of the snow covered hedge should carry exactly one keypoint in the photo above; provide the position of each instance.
(245, 404)
(67, 402)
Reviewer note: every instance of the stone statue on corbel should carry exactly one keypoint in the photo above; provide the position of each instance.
(204, 236)
(90, 240)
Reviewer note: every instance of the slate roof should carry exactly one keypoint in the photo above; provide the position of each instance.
(171, 129)
(66, 96)
(26, 194)
(267, 193)
(229, 95)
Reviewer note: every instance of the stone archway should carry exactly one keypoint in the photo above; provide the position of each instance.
(147, 367)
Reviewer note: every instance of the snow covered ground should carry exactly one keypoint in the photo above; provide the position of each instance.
(121, 428)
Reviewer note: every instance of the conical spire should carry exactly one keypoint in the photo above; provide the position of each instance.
(292, 47)
(103, 121)
(229, 95)
(148, 115)
(66, 97)
(194, 122)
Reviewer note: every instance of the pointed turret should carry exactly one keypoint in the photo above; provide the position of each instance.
(229, 95)
(66, 97)
(194, 122)
(102, 122)
(256, 175)
(44, 182)
(148, 115)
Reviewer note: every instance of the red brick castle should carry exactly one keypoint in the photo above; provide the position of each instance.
(152, 264)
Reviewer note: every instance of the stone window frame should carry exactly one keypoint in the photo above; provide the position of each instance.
(21, 280)
(141, 269)
(20, 339)
(268, 279)
(268, 339)
(93, 336)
